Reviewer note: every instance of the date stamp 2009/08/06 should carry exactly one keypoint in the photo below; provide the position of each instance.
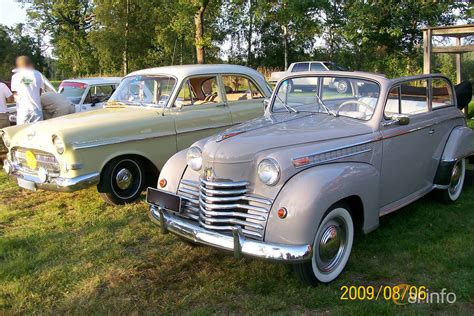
(400, 294)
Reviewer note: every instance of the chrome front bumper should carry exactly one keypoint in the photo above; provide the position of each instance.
(236, 243)
(52, 183)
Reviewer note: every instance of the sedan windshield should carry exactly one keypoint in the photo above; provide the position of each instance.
(338, 96)
(152, 91)
(72, 90)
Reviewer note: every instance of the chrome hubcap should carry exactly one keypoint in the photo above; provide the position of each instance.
(331, 246)
(124, 179)
(455, 177)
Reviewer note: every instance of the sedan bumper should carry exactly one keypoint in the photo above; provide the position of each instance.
(236, 243)
(49, 183)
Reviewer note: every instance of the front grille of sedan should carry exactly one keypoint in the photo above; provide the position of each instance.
(223, 205)
(44, 160)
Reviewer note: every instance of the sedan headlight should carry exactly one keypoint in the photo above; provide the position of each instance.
(269, 171)
(59, 144)
(194, 158)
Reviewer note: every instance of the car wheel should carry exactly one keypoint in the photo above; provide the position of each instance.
(342, 86)
(122, 180)
(331, 248)
(458, 174)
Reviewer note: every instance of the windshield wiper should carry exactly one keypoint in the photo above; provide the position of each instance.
(286, 106)
(324, 106)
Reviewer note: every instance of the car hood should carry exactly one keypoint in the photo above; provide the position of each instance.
(243, 142)
(86, 126)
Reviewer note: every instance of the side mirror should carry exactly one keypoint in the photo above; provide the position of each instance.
(266, 103)
(399, 119)
(95, 101)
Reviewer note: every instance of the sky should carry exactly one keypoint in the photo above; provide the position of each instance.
(11, 12)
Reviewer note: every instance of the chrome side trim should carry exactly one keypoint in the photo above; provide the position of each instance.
(112, 141)
(237, 243)
(333, 159)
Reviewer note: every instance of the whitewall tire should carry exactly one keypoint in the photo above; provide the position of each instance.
(331, 247)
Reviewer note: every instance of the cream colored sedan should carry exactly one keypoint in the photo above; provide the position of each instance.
(153, 114)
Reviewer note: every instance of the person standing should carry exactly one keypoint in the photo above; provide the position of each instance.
(27, 85)
(6, 96)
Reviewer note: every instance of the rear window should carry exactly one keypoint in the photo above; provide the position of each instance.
(300, 67)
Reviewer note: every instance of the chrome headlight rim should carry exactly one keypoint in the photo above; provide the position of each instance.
(269, 179)
(5, 139)
(59, 144)
(194, 158)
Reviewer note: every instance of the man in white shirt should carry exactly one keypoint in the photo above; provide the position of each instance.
(27, 85)
(5, 97)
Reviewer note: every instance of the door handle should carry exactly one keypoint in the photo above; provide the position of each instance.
(431, 131)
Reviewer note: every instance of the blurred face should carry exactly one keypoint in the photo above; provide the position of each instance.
(22, 62)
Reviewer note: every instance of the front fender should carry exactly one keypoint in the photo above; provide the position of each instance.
(460, 144)
(309, 194)
(173, 171)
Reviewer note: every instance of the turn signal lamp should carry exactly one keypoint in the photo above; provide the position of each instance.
(163, 183)
(282, 212)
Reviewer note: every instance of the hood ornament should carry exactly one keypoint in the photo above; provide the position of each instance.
(222, 137)
(31, 134)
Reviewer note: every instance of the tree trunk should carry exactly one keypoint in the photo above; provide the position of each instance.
(199, 35)
(125, 46)
(285, 45)
(249, 35)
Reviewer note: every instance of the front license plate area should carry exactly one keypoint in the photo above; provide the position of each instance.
(166, 200)
(25, 184)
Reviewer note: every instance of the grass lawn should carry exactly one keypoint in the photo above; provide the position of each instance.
(71, 253)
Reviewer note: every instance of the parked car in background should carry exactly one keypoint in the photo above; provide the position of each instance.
(341, 86)
(153, 114)
(89, 93)
(293, 186)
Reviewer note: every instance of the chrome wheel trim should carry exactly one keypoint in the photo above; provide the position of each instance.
(336, 235)
(140, 178)
(342, 86)
(457, 179)
(123, 179)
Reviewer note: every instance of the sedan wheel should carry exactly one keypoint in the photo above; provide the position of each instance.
(331, 248)
(453, 192)
(342, 86)
(122, 181)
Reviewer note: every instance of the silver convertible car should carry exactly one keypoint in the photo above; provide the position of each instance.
(294, 185)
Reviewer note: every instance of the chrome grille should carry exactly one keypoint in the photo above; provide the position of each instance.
(223, 205)
(44, 160)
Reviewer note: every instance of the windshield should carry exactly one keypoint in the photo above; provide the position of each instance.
(72, 90)
(338, 96)
(144, 90)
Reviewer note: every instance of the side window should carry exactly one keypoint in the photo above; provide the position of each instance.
(238, 88)
(300, 67)
(441, 92)
(199, 90)
(393, 102)
(414, 97)
(317, 67)
(410, 98)
(186, 95)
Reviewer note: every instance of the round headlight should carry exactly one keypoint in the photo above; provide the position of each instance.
(6, 140)
(269, 171)
(194, 158)
(59, 144)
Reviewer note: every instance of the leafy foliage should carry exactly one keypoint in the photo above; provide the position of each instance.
(119, 36)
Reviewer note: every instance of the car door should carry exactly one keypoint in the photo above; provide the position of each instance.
(199, 110)
(243, 97)
(408, 150)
